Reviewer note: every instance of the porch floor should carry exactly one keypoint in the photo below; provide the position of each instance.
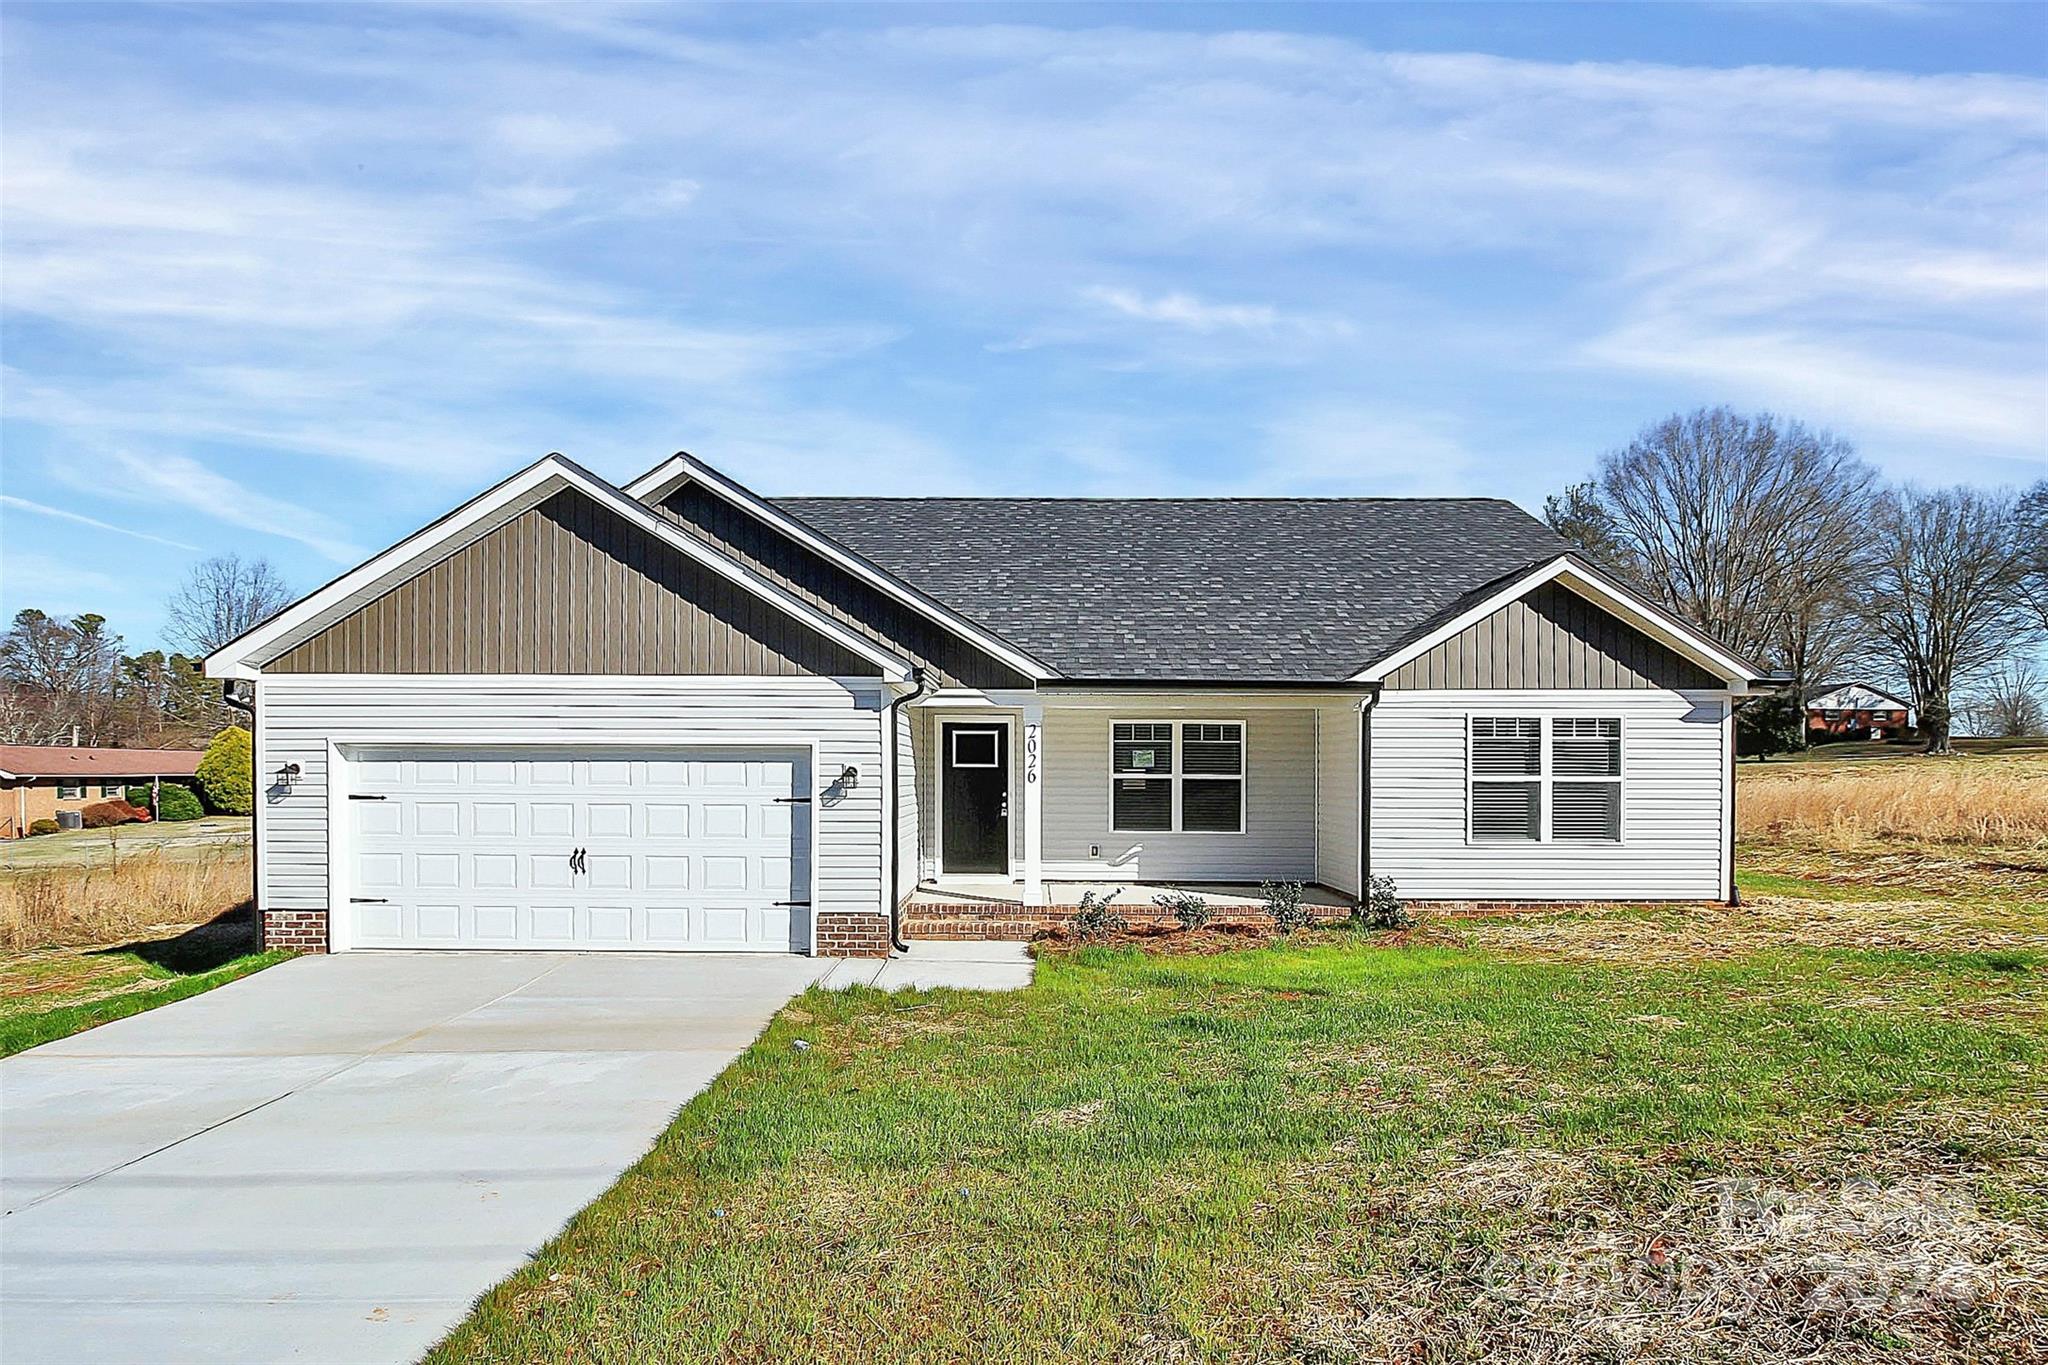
(994, 890)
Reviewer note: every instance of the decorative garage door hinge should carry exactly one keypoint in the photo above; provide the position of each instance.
(358, 796)
(792, 800)
(367, 900)
(802, 903)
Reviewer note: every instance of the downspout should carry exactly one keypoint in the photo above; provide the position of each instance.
(921, 687)
(229, 695)
(1365, 709)
(1734, 892)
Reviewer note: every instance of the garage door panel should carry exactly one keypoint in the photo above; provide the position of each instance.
(683, 850)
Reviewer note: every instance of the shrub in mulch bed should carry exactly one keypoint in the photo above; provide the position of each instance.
(1169, 939)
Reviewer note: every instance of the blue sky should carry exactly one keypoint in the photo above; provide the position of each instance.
(292, 281)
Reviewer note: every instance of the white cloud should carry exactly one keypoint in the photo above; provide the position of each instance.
(182, 482)
(79, 519)
(1184, 310)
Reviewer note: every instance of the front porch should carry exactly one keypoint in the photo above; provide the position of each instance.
(1028, 800)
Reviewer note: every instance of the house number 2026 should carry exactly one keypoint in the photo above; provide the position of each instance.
(1031, 753)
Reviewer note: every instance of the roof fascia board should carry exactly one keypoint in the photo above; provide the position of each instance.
(1588, 582)
(1873, 691)
(477, 518)
(681, 468)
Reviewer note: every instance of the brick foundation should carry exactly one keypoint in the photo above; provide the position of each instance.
(298, 931)
(840, 935)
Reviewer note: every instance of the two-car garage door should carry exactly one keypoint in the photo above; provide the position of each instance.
(682, 849)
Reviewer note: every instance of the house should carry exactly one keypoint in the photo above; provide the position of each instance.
(39, 780)
(1854, 710)
(680, 716)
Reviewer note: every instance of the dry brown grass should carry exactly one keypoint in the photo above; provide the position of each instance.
(105, 904)
(2002, 800)
(1906, 1254)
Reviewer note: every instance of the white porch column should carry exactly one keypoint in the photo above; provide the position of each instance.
(1034, 791)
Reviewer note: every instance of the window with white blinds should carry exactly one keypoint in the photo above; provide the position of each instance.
(1532, 779)
(1177, 775)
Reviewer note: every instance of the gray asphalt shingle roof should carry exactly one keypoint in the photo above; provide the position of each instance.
(1193, 589)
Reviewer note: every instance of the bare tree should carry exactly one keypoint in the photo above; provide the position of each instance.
(1946, 597)
(2012, 703)
(61, 678)
(2032, 528)
(222, 598)
(1580, 517)
(1755, 527)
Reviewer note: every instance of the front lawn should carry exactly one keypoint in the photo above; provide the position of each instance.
(1753, 1135)
(51, 993)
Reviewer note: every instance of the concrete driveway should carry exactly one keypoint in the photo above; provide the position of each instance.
(330, 1160)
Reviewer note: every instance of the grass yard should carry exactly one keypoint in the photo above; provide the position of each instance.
(51, 993)
(103, 848)
(100, 924)
(1809, 1129)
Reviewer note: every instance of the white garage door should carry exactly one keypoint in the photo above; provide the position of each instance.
(686, 849)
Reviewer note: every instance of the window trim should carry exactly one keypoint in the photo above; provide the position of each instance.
(1177, 776)
(71, 791)
(1546, 778)
(961, 731)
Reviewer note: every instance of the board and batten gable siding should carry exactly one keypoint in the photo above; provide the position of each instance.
(568, 586)
(298, 717)
(1280, 795)
(1674, 771)
(1550, 638)
(950, 660)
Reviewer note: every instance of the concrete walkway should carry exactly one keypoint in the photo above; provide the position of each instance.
(330, 1160)
(929, 966)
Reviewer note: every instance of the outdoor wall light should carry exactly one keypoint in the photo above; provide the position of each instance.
(850, 777)
(288, 775)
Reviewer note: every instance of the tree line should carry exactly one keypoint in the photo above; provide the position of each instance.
(1786, 546)
(70, 682)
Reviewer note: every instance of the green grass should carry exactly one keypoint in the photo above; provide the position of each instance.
(1266, 1154)
(26, 1028)
(53, 993)
(1814, 888)
(1871, 750)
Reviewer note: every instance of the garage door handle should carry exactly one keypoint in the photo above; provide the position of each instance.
(576, 861)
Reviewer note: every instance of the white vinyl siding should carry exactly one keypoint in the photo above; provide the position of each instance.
(1673, 768)
(1336, 768)
(301, 715)
(910, 798)
(1279, 838)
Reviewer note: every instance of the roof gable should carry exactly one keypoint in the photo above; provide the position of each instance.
(1550, 637)
(477, 518)
(569, 586)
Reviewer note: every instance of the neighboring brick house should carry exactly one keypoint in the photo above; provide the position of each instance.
(1854, 710)
(38, 780)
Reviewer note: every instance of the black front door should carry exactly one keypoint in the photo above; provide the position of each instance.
(974, 797)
